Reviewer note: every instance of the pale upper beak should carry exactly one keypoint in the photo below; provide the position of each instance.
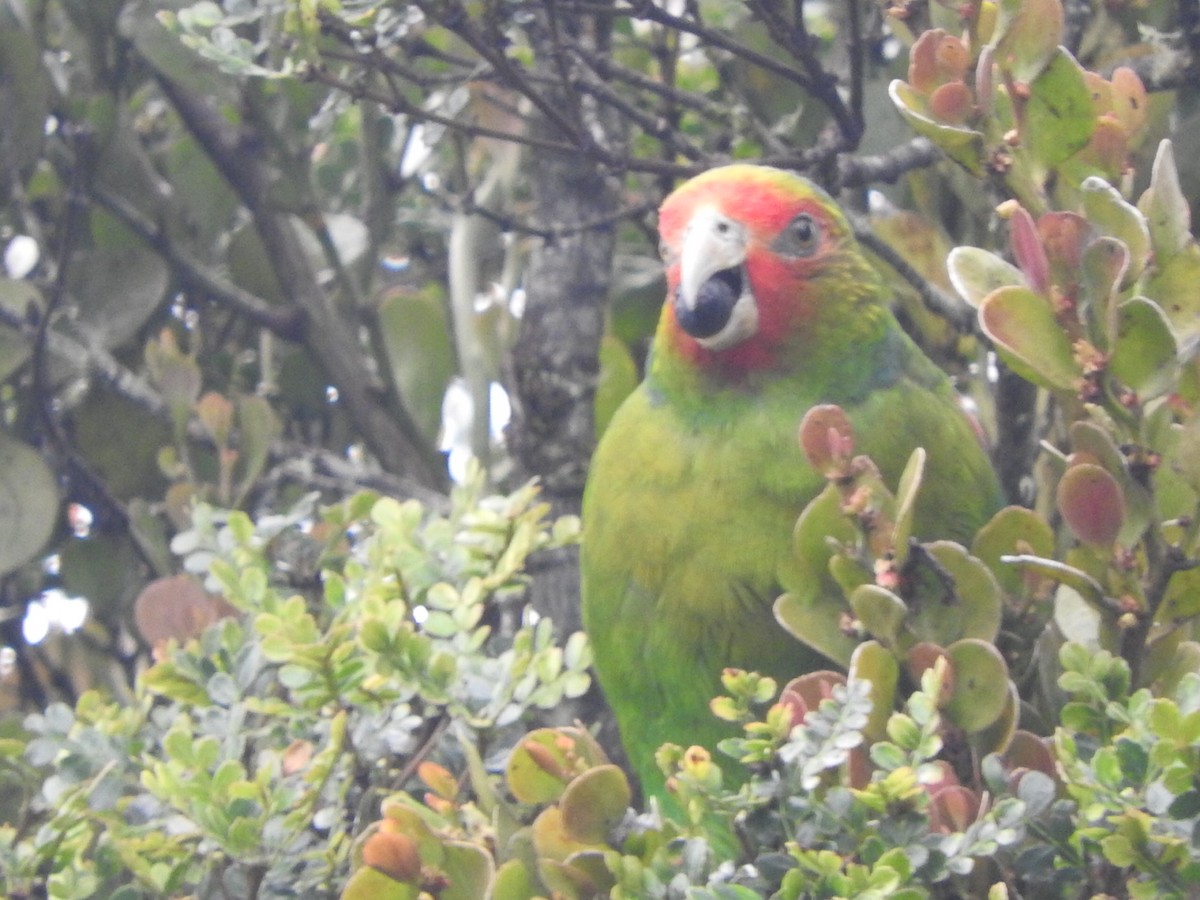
(712, 243)
(713, 302)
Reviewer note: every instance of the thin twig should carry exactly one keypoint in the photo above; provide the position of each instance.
(935, 299)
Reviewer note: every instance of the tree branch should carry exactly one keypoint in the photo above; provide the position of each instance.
(237, 153)
(287, 323)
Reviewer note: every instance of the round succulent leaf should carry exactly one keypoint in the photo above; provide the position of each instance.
(371, 884)
(1116, 217)
(567, 880)
(544, 762)
(881, 612)
(1025, 242)
(1013, 530)
(962, 144)
(877, 665)
(514, 881)
(1027, 36)
(1145, 357)
(552, 840)
(1080, 621)
(923, 656)
(951, 103)
(1129, 100)
(805, 692)
(1029, 751)
(1065, 236)
(470, 870)
(976, 272)
(595, 803)
(1181, 601)
(402, 814)
(592, 866)
(1059, 118)
(1028, 338)
(997, 736)
(1093, 443)
(923, 67)
(977, 589)
(1185, 661)
(1174, 284)
(29, 503)
(1092, 504)
(1105, 263)
(826, 436)
(981, 685)
(952, 809)
(813, 605)
(393, 853)
(1167, 212)
(848, 572)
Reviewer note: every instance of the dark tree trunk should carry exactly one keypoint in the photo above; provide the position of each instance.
(554, 362)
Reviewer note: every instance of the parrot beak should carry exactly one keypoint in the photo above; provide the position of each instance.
(714, 303)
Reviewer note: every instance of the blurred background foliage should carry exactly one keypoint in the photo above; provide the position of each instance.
(254, 249)
(261, 255)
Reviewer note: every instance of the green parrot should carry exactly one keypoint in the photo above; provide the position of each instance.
(698, 480)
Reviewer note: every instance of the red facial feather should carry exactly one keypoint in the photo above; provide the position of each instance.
(780, 284)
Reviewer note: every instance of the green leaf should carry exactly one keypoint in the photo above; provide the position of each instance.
(963, 145)
(1027, 36)
(1013, 530)
(955, 597)
(1091, 503)
(1174, 284)
(1105, 262)
(1168, 215)
(1059, 117)
(415, 334)
(979, 676)
(881, 612)
(811, 609)
(1145, 356)
(28, 503)
(975, 273)
(118, 283)
(1106, 209)
(595, 803)
(876, 664)
(23, 301)
(25, 95)
(1029, 338)
(258, 426)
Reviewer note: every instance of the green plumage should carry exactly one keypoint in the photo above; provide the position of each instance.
(699, 478)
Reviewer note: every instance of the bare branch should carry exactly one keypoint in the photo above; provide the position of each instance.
(287, 323)
(918, 153)
(937, 301)
(389, 432)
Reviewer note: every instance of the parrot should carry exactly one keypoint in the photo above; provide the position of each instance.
(696, 484)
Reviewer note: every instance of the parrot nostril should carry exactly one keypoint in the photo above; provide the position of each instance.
(714, 304)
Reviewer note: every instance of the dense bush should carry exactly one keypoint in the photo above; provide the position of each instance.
(338, 703)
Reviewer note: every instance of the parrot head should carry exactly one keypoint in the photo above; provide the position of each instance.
(759, 263)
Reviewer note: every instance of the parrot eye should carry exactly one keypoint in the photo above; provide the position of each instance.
(802, 237)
